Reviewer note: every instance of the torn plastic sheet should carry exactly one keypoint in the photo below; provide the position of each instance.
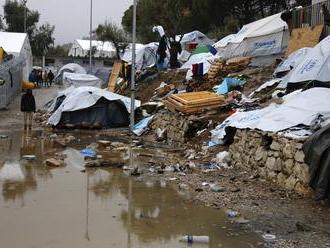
(142, 126)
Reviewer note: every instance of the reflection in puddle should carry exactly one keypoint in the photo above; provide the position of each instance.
(64, 207)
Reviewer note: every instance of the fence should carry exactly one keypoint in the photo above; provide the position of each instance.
(310, 16)
(11, 75)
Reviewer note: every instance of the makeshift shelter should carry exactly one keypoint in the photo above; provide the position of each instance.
(146, 55)
(72, 68)
(314, 66)
(18, 45)
(80, 48)
(91, 107)
(80, 80)
(267, 36)
(195, 37)
(302, 109)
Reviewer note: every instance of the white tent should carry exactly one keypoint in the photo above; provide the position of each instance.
(18, 45)
(196, 37)
(299, 108)
(72, 67)
(80, 48)
(80, 80)
(145, 55)
(85, 97)
(267, 36)
(314, 66)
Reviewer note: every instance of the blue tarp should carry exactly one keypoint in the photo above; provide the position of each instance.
(227, 84)
(142, 126)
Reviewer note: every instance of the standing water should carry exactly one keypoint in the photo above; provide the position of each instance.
(64, 207)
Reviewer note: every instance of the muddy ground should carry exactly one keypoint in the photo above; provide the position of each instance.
(297, 221)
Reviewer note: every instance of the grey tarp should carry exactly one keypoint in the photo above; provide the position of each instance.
(317, 156)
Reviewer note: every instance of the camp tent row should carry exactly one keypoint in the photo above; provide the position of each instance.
(80, 48)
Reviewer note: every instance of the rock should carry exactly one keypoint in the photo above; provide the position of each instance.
(52, 162)
(291, 182)
(93, 164)
(183, 186)
(104, 142)
(70, 139)
(288, 166)
(274, 164)
(236, 190)
(281, 179)
(216, 188)
(302, 189)
(276, 146)
(259, 154)
(300, 156)
(60, 142)
(287, 151)
(301, 171)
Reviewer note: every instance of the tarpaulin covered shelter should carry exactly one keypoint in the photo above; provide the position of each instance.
(18, 45)
(91, 107)
(299, 108)
(72, 68)
(196, 37)
(146, 55)
(314, 66)
(80, 80)
(267, 36)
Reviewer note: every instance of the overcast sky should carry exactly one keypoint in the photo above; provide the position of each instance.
(71, 17)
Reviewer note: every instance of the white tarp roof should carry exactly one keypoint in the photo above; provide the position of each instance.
(12, 43)
(196, 37)
(85, 97)
(315, 65)
(145, 55)
(299, 108)
(269, 25)
(100, 45)
(71, 67)
(80, 80)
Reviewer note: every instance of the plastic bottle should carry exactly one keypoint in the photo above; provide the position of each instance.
(195, 239)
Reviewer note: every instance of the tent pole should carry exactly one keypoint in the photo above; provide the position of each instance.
(132, 117)
(90, 37)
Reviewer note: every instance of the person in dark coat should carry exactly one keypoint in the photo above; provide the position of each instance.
(175, 50)
(51, 77)
(28, 107)
(162, 48)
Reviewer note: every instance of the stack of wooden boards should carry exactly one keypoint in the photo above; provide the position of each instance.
(215, 68)
(219, 66)
(194, 102)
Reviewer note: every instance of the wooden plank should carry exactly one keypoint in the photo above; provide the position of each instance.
(304, 37)
(186, 108)
(199, 103)
(116, 69)
(198, 99)
(186, 97)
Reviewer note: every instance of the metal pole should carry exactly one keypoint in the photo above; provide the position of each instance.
(90, 38)
(133, 68)
(25, 16)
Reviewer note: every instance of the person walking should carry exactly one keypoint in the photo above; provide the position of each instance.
(45, 78)
(51, 77)
(28, 107)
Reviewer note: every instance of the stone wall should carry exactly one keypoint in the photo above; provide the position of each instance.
(273, 157)
(178, 128)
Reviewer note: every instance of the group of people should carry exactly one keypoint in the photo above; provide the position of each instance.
(42, 78)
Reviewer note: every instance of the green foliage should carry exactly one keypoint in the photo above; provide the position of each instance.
(42, 39)
(215, 17)
(113, 33)
(14, 16)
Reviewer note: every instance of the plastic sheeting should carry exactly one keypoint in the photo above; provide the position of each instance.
(299, 108)
(85, 97)
(80, 80)
(13, 172)
(263, 37)
(72, 68)
(227, 84)
(142, 126)
(146, 55)
(196, 37)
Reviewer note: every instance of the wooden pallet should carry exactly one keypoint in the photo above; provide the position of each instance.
(195, 102)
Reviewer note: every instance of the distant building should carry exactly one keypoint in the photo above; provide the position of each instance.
(18, 45)
(80, 48)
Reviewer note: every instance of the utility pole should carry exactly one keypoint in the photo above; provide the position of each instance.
(25, 16)
(132, 117)
(90, 38)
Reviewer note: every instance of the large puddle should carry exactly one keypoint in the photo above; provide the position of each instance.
(64, 207)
